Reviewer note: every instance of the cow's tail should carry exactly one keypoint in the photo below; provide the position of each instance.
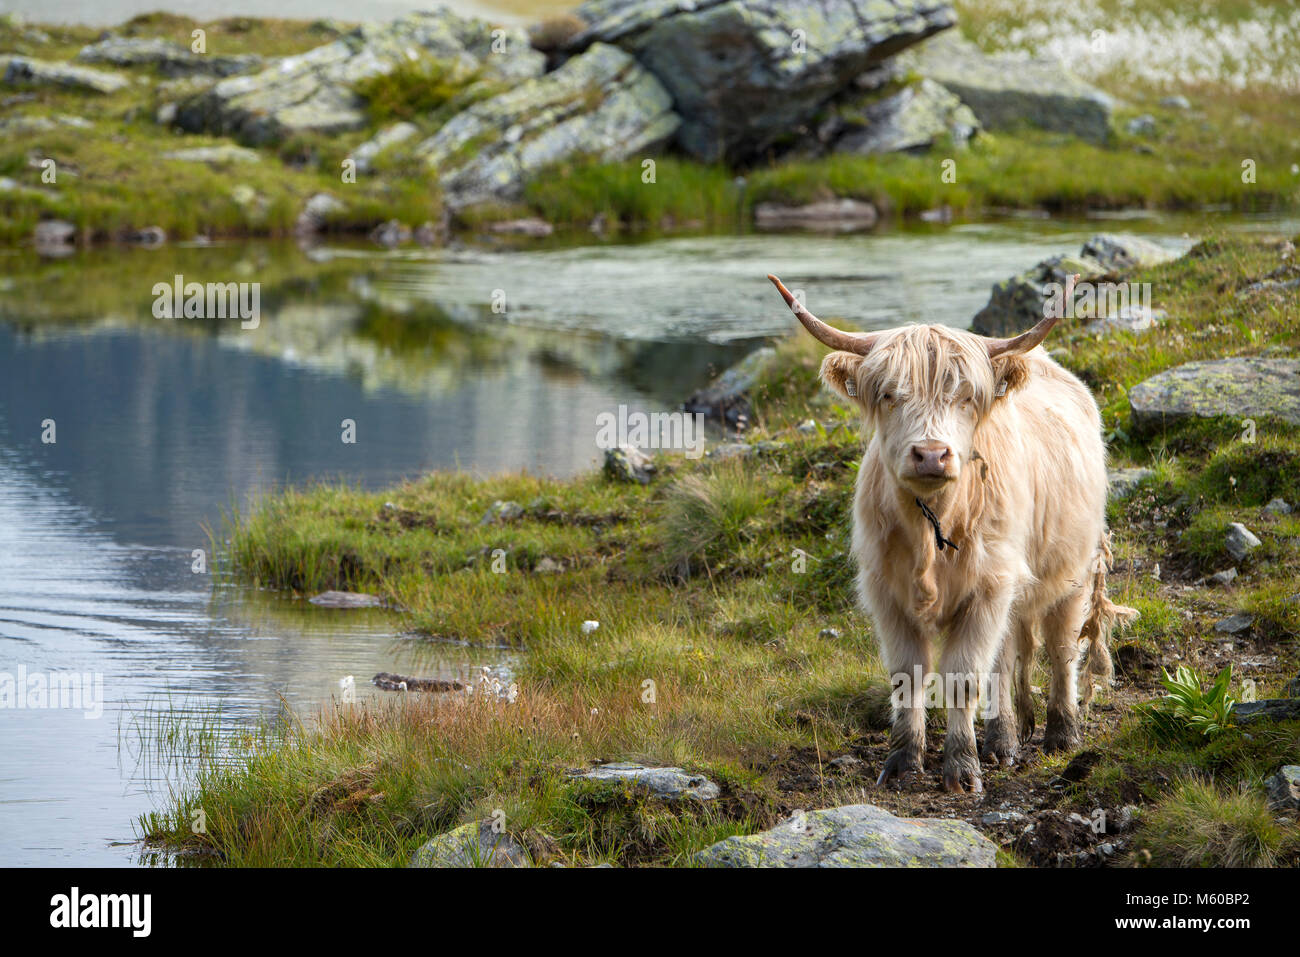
(1103, 616)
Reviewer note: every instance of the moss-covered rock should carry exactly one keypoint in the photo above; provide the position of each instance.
(1242, 387)
(858, 835)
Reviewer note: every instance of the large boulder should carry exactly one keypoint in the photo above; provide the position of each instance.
(1242, 387)
(29, 71)
(912, 118)
(600, 103)
(1017, 303)
(745, 74)
(168, 58)
(477, 844)
(857, 835)
(315, 91)
(1006, 92)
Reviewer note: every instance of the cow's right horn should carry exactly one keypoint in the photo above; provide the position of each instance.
(835, 338)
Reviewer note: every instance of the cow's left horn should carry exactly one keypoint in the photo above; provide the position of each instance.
(1028, 340)
(835, 338)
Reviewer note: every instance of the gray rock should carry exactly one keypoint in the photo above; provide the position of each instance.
(1124, 481)
(1241, 387)
(745, 74)
(1007, 92)
(548, 566)
(1284, 789)
(1224, 578)
(531, 226)
(1001, 817)
(148, 236)
(316, 213)
(1017, 303)
(346, 599)
(670, 784)
(829, 633)
(827, 216)
(1240, 541)
(385, 139)
(1175, 103)
(15, 70)
(911, 119)
(628, 464)
(845, 761)
(1144, 125)
(391, 233)
(315, 91)
(51, 233)
(1278, 507)
(215, 155)
(726, 398)
(730, 450)
(1292, 689)
(502, 512)
(1234, 624)
(599, 104)
(170, 59)
(858, 835)
(1269, 709)
(472, 845)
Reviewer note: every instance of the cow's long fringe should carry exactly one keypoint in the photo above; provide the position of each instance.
(1103, 616)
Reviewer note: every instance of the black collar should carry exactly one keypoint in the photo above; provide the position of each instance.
(939, 540)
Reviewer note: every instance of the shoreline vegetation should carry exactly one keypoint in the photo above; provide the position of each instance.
(720, 652)
(123, 171)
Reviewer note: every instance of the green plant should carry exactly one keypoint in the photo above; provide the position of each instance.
(1188, 713)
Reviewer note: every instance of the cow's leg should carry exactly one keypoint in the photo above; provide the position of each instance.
(1061, 635)
(1001, 741)
(1026, 650)
(906, 653)
(969, 655)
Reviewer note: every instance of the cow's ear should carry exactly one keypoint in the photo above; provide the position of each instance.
(840, 372)
(1010, 373)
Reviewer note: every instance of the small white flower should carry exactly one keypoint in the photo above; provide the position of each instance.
(589, 626)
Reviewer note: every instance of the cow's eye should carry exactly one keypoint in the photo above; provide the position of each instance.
(887, 397)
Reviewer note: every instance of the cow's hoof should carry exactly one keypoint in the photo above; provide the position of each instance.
(1062, 733)
(959, 782)
(1001, 746)
(899, 765)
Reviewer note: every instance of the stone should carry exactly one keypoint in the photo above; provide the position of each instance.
(994, 818)
(734, 68)
(1017, 303)
(316, 213)
(1278, 507)
(1224, 578)
(472, 845)
(1293, 687)
(170, 59)
(914, 118)
(1144, 125)
(548, 566)
(1284, 789)
(845, 761)
(391, 233)
(1240, 387)
(15, 70)
(390, 136)
(1007, 92)
(628, 464)
(502, 512)
(857, 835)
(670, 784)
(532, 226)
(726, 398)
(1240, 541)
(1123, 481)
(1175, 103)
(148, 236)
(1234, 624)
(316, 91)
(1269, 709)
(52, 233)
(346, 599)
(829, 633)
(215, 155)
(827, 216)
(600, 104)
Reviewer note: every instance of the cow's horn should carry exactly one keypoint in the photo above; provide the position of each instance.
(835, 338)
(1028, 340)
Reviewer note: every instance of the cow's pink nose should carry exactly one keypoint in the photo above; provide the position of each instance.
(931, 458)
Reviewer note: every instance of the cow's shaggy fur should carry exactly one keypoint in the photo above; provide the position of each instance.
(1025, 507)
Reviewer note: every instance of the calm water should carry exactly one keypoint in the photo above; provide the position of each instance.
(109, 12)
(162, 424)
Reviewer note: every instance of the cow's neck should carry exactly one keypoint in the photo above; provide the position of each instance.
(950, 505)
